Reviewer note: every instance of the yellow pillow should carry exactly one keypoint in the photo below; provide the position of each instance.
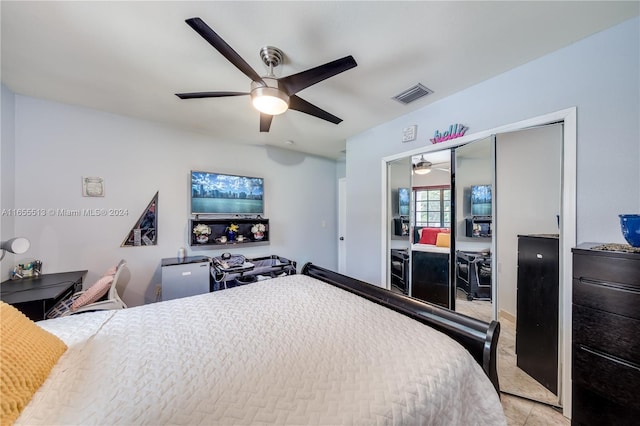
(443, 239)
(27, 355)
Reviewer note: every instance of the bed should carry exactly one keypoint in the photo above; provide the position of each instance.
(316, 348)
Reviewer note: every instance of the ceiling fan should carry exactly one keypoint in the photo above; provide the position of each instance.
(422, 167)
(270, 95)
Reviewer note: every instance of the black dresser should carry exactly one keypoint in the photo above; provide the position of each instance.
(537, 307)
(606, 337)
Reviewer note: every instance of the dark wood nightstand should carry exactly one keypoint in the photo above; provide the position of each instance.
(35, 296)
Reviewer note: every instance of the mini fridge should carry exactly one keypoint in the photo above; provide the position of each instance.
(186, 277)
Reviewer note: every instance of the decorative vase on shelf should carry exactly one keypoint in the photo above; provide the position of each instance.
(231, 235)
(258, 235)
(202, 238)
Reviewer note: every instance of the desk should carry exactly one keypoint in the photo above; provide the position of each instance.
(256, 269)
(35, 296)
(473, 274)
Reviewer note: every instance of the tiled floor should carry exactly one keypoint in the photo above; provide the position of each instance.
(519, 411)
(523, 412)
(513, 379)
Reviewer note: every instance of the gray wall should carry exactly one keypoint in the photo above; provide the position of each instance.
(57, 144)
(597, 75)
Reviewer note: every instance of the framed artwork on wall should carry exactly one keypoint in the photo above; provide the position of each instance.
(145, 231)
(92, 187)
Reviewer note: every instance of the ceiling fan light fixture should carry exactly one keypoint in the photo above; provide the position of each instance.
(422, 167)
(422, 171)
(269, 100)
(269, 94)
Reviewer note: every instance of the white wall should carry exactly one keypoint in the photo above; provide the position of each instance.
(57, 144)
(598, 75)
(7, 172)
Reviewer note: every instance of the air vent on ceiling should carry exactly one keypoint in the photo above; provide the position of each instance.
(412, 94)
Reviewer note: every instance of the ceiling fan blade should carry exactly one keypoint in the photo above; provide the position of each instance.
(265, 122)
(299, 104)
(198, 95)
(221, 46)
(439, 166)
(296, 82)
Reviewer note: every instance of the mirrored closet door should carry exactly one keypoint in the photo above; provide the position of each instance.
(398, 202)
(472, 256)
(493, 194)
(419, 217)
(431, 219)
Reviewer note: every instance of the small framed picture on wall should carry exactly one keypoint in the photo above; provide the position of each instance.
(92, 187)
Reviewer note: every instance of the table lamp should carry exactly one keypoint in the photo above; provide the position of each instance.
(16, 245)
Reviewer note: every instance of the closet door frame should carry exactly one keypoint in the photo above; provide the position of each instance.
(568, 223)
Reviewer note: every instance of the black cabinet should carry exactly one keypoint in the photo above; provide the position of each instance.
(605, 337)
(537, 308)
(430, 277)
(400, 269)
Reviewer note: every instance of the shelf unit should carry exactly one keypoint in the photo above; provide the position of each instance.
(478, 227)
(219, 228)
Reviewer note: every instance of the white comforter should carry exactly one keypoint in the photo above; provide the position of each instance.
(291, 350)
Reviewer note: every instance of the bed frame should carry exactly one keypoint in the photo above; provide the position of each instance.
(478, 337)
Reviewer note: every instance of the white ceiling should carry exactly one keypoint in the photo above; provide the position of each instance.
(131, 57)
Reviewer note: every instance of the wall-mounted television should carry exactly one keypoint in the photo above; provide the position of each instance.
(481, 200)
(217, 193)
(403, 201)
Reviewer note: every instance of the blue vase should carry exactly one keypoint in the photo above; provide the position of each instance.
(630, 226)
(231, 236)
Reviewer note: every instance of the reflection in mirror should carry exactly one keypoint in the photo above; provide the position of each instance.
(399, 193)
(474, 228)
(529, 183)
(431, 227)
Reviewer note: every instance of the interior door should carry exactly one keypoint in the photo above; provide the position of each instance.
(342, 225)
